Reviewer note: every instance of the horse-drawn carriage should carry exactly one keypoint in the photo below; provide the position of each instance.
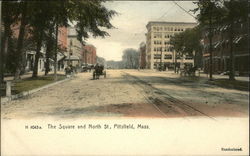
(99, 71)
(188, 70)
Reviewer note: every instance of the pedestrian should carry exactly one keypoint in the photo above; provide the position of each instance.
(96, 72)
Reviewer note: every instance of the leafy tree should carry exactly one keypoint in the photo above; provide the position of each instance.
(88, 16)
(50, 42)
(10, 13)
(40, 16)
(23, 6)
(235, 11)
(187, 43)
(216, 12)
(210, 14)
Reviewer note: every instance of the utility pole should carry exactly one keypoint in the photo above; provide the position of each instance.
(210, 44)
(231, 34)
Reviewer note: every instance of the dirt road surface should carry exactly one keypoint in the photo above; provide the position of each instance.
(129, 93)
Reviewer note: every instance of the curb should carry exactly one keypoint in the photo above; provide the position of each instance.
(26, 93)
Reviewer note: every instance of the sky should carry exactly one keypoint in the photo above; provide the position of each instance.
(130, 24)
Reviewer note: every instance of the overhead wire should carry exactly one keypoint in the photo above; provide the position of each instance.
(183, 9)
(166, 12)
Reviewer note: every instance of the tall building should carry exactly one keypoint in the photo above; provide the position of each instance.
(159, 52)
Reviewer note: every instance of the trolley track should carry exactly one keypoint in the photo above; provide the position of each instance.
(166, 104)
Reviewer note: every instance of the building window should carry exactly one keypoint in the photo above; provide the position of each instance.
(168, 57)
(157, 56)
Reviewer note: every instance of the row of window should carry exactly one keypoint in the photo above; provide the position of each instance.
(158, 56)
(155, 28)
(159, 42)
(169, 56)
(159, 35)
(168, 49)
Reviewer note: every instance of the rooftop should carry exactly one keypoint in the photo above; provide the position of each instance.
(165, 22)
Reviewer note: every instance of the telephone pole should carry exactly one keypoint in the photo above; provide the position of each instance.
(210, 44)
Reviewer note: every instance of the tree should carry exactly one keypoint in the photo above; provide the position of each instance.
(210, 14)
(235, 10)
(41, 16)
(50, 42)
(88, 16)
(130, 58)
(188, 43)
(101, 60)
(19, 49)
(218, 12)
(10, 13)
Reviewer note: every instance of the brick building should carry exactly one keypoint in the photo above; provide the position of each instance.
(30, 52)
(221, 49)
(89, 54)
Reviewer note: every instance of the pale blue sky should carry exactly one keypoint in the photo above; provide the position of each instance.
(131, 24)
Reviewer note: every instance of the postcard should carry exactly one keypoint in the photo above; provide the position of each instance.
(83, 77)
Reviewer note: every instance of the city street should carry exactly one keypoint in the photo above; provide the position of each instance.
(129, 93)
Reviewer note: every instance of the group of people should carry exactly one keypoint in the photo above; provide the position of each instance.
(70, 69)
(190, 70)
(98, 70)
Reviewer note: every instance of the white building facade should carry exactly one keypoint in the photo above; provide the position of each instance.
(159, 52)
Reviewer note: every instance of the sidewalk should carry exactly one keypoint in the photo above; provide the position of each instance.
(29, 74)
(216, 76)
(203, 75)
